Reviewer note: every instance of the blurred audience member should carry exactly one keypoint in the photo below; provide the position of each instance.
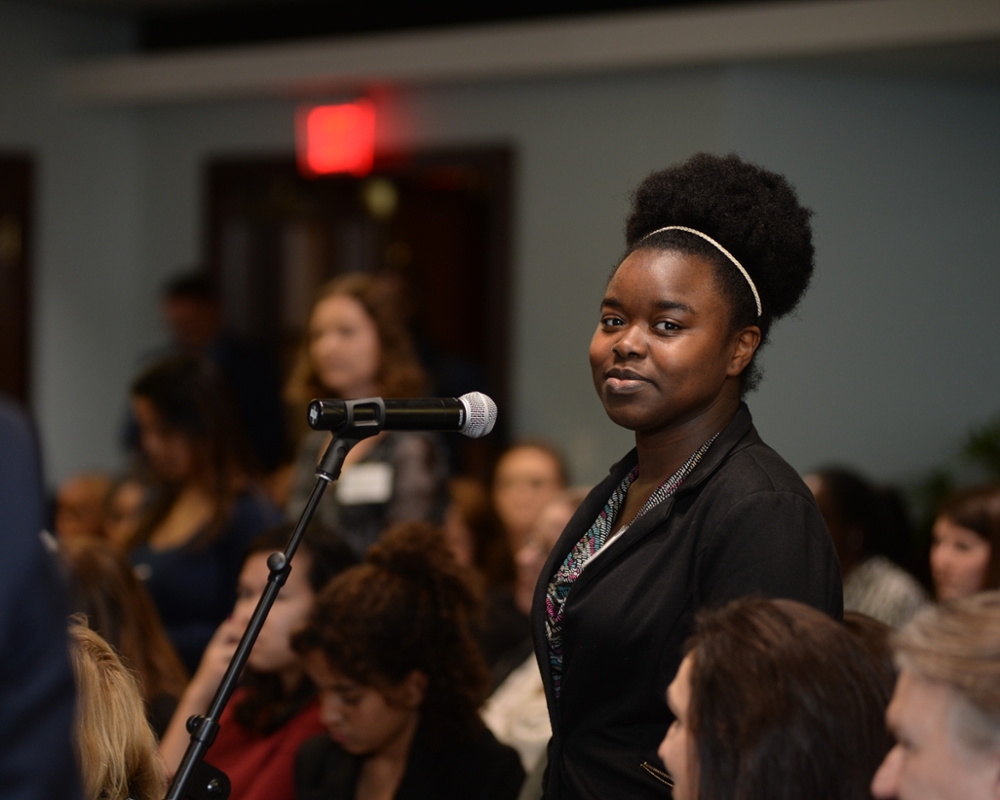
(872, 534)
(112, 602)
(475, 537)
(204, 508)
(945, 713)
(875, 637)
(192, 310)
(965, 543)
(36, 682)
(275, 709)
(774, 701)
(526, 477)
(357, 345)
(390, 646)
(516, 711)
(474, 534)
(123, 511)
(115, 746)
(80, 504)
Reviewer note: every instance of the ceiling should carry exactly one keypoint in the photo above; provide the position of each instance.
(185, 24)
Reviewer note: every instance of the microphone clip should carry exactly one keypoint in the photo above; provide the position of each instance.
(349, 419)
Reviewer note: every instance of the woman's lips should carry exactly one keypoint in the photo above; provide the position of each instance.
(338, 736)
(624, 382)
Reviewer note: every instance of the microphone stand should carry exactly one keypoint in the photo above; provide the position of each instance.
(211, 783)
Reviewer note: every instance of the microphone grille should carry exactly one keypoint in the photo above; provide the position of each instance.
(480, 414)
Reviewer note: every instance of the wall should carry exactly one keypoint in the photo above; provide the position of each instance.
(885, 366)
(893, 356)
(85, 316)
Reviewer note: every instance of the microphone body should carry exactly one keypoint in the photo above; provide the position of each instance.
(472, 414)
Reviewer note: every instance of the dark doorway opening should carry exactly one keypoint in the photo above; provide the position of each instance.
(16, 180)
(439, 221)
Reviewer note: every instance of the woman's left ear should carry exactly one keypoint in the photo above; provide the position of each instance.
(413, 689)
(744, 346)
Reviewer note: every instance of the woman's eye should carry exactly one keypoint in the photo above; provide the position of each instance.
(667, 325)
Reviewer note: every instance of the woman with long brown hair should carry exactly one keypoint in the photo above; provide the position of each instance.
(204, 506)
(357, 345)
(104, 589)
(776, 701)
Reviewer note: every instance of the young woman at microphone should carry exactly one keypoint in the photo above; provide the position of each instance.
(701, 511)
(357, 345)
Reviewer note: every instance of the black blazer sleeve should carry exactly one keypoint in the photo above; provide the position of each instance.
(774, 544)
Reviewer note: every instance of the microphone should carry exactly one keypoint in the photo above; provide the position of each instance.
(473, 414)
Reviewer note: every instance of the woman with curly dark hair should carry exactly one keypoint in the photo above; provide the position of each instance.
(701, 511)
(391, 647)
(357, 345)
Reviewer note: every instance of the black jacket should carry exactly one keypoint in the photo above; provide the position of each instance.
(479, 768)
(742, 523)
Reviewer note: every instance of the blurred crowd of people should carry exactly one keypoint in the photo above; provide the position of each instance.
(397, 660)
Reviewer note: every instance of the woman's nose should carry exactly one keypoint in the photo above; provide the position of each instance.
(630, 343)
(330, 712)
(886, 781)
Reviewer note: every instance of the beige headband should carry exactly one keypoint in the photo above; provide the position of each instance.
(722, 250)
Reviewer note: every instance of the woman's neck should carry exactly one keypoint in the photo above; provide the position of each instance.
(661, 453)
(382, 772)
(191, 511)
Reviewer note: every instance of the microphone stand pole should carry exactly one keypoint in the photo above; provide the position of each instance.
(203, 729)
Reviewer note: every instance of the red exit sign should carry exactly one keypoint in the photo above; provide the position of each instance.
(336, 139)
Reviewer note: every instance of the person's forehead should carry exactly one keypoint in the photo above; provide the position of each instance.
(919, 704)
(527, 459)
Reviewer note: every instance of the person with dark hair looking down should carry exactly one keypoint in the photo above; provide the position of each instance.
(701, 511)
(391, 647)
(776, 701)
(945, 712)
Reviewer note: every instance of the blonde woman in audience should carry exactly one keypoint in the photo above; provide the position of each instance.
(965, 545)
(115, 746)
(357, 345)
(945, 712)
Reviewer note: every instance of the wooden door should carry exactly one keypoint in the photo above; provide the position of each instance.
(438, 221)
(16, 176)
